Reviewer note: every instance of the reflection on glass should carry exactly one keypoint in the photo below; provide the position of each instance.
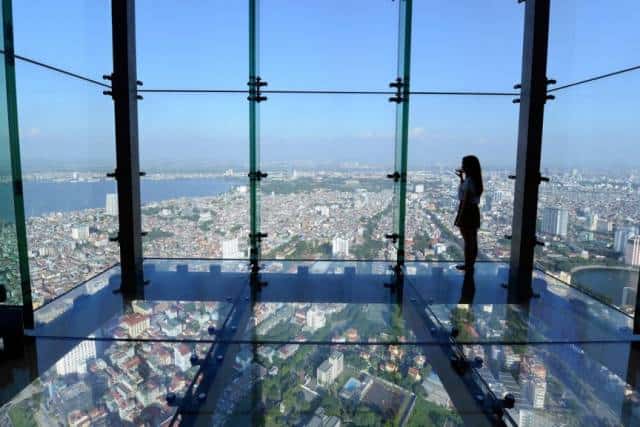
(330, 322)
(297, 384)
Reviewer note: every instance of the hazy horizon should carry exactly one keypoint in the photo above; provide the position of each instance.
(460, 46)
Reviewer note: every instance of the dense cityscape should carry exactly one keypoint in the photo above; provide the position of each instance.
(585, 220)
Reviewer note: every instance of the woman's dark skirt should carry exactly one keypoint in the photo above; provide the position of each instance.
(469, 217)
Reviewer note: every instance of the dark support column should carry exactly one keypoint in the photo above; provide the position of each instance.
(532, 100)
(16, 172)
(636, 317)
(124, 91)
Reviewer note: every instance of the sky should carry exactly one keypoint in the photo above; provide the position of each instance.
(461, 45)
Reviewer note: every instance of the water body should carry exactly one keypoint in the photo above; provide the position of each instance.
(45, 197)
(606, 281)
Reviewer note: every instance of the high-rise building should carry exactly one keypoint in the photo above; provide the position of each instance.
(604, 226)
(315, 318)
(621, 236)
(628, 296)
(555, 221)
(419, 188)
(330, 369)
(75, 362)
(112, 204)
(340, 246)
(230, 249)
(80, 232)
(632, 251)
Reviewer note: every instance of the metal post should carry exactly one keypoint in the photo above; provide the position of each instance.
(402, 126)
(16, 166)
(255, 175)
(533, 96)
(636, 316)
(124, 92)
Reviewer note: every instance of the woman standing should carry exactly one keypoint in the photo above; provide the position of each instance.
(468, 217)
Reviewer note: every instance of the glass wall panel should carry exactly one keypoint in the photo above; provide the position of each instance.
(194, 149)
(329, 45)
(10, 291)
(73, 34)
(195, 45)
(327, 195)
(67, 147)
(443, 130)
(466, 45)
(588, 212)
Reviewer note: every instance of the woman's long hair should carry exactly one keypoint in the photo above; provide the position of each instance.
(471, 167)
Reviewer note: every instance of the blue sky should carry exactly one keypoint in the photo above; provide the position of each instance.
(457, 45)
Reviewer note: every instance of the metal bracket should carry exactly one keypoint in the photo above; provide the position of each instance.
(399, 85)
(508, 402)
(462, 365)
(547, 97)
(257, 175)
(393, 237)
(258, 236)
(255, 93)
(395, 176)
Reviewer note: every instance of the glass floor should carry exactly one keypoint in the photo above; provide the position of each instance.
(325, 343)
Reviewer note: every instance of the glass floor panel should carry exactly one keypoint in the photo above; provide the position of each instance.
(565, 384)
(88, 382)
(251, 349)
(327, 385)
(515, 324)
(328, 323)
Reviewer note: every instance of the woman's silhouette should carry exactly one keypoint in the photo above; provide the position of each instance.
(468, 217)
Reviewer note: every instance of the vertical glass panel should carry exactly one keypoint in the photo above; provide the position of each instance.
(11, 291)
(327, 195)
(587, 39)
(588, 212)
(329, 45)
(198, 44)
(466, 45)
(195, 200)
(67, 147)
(82, 29)
(443, 130)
